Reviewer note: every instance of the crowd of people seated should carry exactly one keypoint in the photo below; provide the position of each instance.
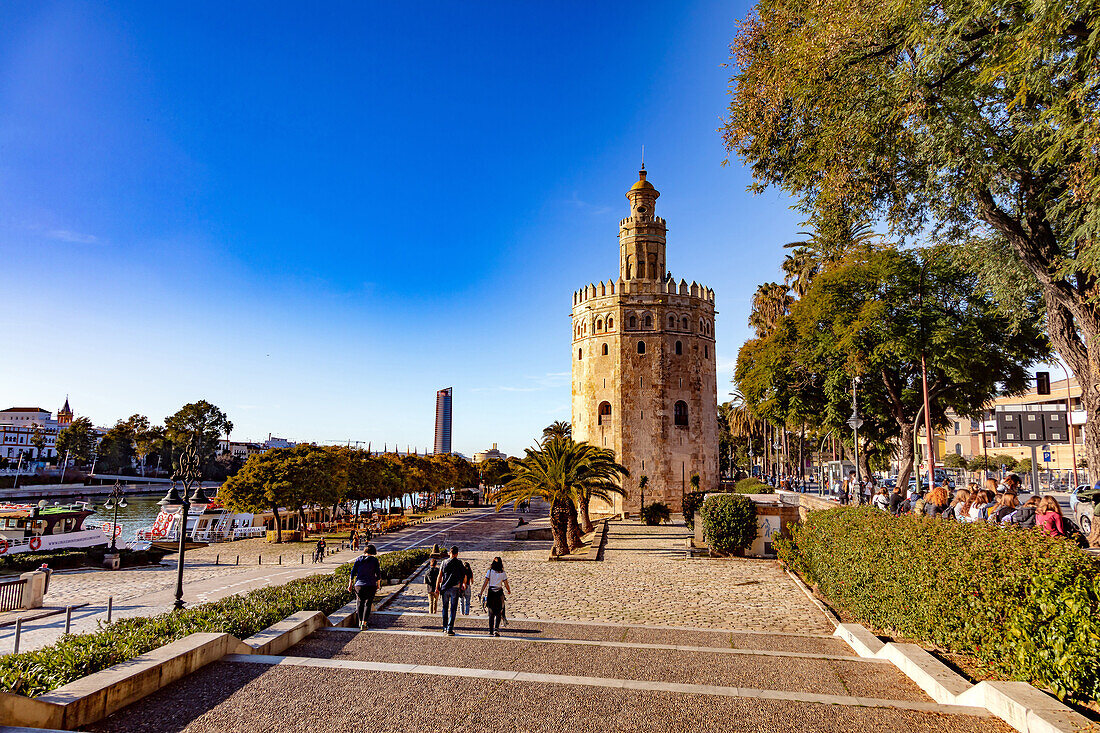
(995, 503)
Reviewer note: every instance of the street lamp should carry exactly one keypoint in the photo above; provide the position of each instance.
(188, 473)
(115, 500)
(855, 422)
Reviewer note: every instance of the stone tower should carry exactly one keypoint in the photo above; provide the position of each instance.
(644, 381)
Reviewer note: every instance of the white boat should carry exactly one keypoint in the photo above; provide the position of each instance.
(206, 523)
(43, 528)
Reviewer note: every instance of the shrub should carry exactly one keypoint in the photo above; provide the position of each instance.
(77, 655)
(1024, 605)
(656, 513)
(729, 522)
(62, 559)
(693, 501)
(752, 486)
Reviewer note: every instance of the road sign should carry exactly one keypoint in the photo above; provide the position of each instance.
(1046, 456)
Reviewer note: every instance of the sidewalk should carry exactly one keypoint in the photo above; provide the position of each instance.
(148, 591)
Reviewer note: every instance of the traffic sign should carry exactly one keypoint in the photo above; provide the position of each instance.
(1046, 456)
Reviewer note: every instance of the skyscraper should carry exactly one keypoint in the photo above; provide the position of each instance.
(443, 421)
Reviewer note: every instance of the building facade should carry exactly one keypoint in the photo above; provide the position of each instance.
(644, 378)
(443, 421)
(490, 454)
(19, 425)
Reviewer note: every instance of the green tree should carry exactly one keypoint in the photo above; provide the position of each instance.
(38, 441)
(559, 472)
(982, 463)
(557, 429)
(493, 471)
(116, 448)
(76, 440)
(199, 421)
(255, 487)
(878, 314)
(954, 460)
(951, 121)
(1002, 459)
(1023, 467)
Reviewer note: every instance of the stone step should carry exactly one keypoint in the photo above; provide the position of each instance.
(257, 695)
(757, 669)
(536, 628)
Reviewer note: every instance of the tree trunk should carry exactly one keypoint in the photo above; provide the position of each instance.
(573, 533)
(302, 521)
(559, 526)
(905, 453)
(278, 524)
(586, 521)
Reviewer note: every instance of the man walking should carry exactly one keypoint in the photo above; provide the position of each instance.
(365, 581)
(451, 585)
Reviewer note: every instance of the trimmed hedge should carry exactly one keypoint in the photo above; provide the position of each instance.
(63, 559)
(752, 486)
(729, 522)
(77, 655)
(1024, 605)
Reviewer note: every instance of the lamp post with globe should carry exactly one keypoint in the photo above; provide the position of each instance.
(115, 500)
(189, 474)
(855, 422)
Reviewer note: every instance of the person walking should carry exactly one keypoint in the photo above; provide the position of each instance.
(319, 553)
(496, 582)
(431, 578)
(468, 588)
(450, 585)
(365, 582)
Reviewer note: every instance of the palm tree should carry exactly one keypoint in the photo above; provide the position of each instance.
(799, 268)
(770, 303)
(565, 474)
(557, 429)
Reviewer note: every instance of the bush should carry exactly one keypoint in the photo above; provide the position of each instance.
(693, 501)
(1024, 605)
(752, 486)
(77, 655)
(656, 513)
(63, 559)
(729, 522)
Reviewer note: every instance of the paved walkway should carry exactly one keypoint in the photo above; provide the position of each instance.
(151, 590)
(722, 645)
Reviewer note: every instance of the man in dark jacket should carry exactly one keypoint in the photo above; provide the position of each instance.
(451, 584)
(365, 581)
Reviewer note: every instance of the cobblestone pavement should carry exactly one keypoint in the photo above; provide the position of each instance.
(646, 577)
(151, 590)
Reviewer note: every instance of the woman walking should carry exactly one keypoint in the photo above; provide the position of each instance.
(496, 581)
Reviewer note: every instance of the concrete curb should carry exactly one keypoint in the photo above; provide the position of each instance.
(599, 537)
(810, 594)
(404, 584)
(1024, 707)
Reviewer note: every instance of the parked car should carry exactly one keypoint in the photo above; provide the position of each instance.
(1082, 504)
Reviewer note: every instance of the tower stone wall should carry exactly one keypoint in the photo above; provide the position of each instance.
(644, 380)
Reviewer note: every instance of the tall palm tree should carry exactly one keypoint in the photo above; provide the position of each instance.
(565, 474)
(557, 429)
(770, 303)
(799, 268)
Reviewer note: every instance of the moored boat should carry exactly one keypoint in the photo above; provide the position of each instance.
(43, 528)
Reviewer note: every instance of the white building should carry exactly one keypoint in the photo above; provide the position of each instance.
(487, 455)
(18, 426)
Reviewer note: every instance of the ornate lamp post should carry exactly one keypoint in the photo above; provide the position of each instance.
(115, 500)
(855, 422)
(188, 473)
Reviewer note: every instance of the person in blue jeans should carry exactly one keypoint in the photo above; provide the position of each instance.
(451, 585)
(364, 582)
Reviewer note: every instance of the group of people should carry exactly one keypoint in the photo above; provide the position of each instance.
(452, 582)
(995, 503)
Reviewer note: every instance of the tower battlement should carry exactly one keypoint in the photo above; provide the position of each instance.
(623, 287)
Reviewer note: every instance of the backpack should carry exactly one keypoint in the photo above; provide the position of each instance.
(431, 577)
(948, 513)
(1074, 533)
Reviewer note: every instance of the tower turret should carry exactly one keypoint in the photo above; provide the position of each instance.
(642, 234)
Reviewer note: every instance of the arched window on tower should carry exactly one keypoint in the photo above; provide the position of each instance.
(633, 321)
(648, 321)
(603, 413)
(672, 321)
(700, 325)
(653, 266)
(599, 324)
(641, 347)
(680, 414)
(605, 349)
(679, 348)
(685, 323)
(580, 353)
(610, 323)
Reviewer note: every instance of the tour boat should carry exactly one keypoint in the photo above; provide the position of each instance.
(206, 523)
(41, 528)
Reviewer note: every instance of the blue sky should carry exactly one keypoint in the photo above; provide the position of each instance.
(316, 215)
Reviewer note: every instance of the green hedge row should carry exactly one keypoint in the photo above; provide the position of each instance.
(1025, 605)
(729, 522)
(77, 655)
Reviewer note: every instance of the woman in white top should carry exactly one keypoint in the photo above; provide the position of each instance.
(881, 501)
(496, 581)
